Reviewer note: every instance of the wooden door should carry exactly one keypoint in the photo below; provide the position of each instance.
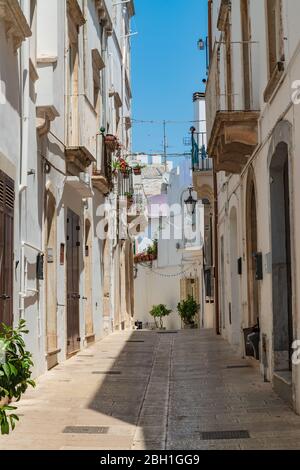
(88, 299)
(73, 295)
(7, 197)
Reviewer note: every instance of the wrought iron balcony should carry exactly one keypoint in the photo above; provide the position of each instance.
(201, 162)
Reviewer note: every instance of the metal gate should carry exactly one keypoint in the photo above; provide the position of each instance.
(7, 198)
(73, 295)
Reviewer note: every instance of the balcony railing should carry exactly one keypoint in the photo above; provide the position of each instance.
(125, 183)
(200, 160)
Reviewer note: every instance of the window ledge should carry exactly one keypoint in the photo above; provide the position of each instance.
(274, 81)
(15, 22)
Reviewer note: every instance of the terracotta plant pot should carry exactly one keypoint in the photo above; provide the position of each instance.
(111, 142)
(137, 171)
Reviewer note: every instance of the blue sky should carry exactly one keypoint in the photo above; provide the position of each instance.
(167, 68)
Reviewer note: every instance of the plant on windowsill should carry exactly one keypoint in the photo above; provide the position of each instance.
(187, 310)
(137, 169)
(15, 373)
(158, 312)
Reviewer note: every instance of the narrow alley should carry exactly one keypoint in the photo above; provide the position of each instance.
(149, 390)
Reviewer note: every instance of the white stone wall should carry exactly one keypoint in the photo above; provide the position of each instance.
(232, 188)
(23, 153)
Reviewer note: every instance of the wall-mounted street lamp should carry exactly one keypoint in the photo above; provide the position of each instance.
(190, 202)
(203, 45)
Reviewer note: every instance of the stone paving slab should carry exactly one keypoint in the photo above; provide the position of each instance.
(171, 389)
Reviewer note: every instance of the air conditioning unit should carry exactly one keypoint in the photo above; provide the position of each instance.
(85, 178)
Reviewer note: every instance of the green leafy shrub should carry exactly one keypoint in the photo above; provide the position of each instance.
(15, 373)
(187, 310)
(158, 312)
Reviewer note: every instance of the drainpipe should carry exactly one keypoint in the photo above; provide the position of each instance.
(216, 251)
(215, 183)
(25, 84)
(24, 149)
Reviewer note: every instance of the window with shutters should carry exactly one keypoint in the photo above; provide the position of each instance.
(274, 29)
(7, 198)
(275, 46)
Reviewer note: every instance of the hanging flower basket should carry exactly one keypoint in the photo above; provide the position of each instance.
(111, 142)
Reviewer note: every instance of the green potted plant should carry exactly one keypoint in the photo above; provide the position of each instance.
(158, 312)
(115, 167)
(15, 373)
(187, 310)
(137, 169)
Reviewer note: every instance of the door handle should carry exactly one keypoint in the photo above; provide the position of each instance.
(84, 298)
(5, 297)
(76, 296)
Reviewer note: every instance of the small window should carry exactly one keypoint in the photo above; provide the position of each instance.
(274, 30)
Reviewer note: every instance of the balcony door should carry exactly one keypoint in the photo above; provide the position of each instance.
(7, 196)
(73, 295)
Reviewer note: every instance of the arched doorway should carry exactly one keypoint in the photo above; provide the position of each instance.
(252, 249)
(88, 299)
(235, 288)
(281, 259)
(51, 280)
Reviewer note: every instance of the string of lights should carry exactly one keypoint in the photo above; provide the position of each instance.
(142, 121)
(181, 273)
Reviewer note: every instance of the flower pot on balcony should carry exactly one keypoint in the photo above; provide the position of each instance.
(137, 171)
(111, 142)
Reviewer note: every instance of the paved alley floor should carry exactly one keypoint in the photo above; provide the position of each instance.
(153, 391)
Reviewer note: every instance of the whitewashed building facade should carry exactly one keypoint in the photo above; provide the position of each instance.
(64, 86)
(252, 124)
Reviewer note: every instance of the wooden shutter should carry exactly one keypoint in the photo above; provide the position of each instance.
(7, 201)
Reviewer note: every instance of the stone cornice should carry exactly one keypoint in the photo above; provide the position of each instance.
(223, 13)
(75, 13)
(16, 24)
(104, 16)
(131, 8)
(44, 116)
(233, 139)
(98, 62)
